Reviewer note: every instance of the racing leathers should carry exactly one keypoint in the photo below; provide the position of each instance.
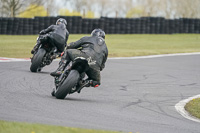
(56, 35)
(94, 49)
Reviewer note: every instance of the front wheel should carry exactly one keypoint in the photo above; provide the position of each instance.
(37, 60)
(67, 85)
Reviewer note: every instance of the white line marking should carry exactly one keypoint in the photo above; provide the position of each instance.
(5, 59)
(180, 108)
(156, 56)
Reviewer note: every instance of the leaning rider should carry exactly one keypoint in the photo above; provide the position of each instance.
(57, 35)
(90, 47)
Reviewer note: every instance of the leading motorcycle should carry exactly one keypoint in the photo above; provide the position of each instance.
(43, 56)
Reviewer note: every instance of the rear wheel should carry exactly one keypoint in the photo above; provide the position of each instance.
(37, 60)
(67, 85)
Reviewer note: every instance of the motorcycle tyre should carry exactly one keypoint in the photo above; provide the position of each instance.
(37, 60)
(67, 85)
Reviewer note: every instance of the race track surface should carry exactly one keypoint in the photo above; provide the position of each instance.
(136, 95)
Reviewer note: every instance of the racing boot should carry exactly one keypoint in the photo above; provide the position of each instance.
(62, 65)
(60, 69)
(87, 83)
(82, 84)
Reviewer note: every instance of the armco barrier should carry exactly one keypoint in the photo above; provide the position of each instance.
(79, 25)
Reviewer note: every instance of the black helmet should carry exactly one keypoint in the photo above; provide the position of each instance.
(61, 20)
(98, 32)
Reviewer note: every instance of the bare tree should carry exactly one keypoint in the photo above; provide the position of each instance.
(78, 5)
(51, 7)
(164, 8)
(11, 8)
(121, 7)
(1, 8)
(187, 8)
(104, 7)
(172, 8)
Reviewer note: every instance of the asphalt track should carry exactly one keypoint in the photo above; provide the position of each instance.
(136, 95)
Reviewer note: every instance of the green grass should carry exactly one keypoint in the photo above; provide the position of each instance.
(138, 45)
(193, 107)
(19, 127)
(118, 45)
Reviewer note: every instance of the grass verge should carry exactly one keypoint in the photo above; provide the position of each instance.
(19, 127)
(118, 45)
(193, 107)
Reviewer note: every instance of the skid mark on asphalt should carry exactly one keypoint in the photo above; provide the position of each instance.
(189, 84)
(124, 88)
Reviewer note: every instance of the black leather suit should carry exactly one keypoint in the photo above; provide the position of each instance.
(57, 35)
(92, 47)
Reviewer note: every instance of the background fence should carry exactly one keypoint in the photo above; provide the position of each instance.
(78, 25)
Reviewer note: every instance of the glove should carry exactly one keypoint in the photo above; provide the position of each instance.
(69, 45)
(42, 32)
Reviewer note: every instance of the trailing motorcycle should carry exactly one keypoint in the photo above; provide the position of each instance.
(72, 78)
(43, 56)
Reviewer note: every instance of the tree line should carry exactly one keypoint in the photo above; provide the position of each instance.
(97, 8)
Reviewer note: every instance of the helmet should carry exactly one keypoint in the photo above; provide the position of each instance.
(61, 20)
(98, 32)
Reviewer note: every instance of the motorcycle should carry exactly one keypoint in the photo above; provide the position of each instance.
(43, 56)
(72, 78)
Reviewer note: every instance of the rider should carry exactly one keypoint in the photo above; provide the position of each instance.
(90, 47)
(56, 35)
